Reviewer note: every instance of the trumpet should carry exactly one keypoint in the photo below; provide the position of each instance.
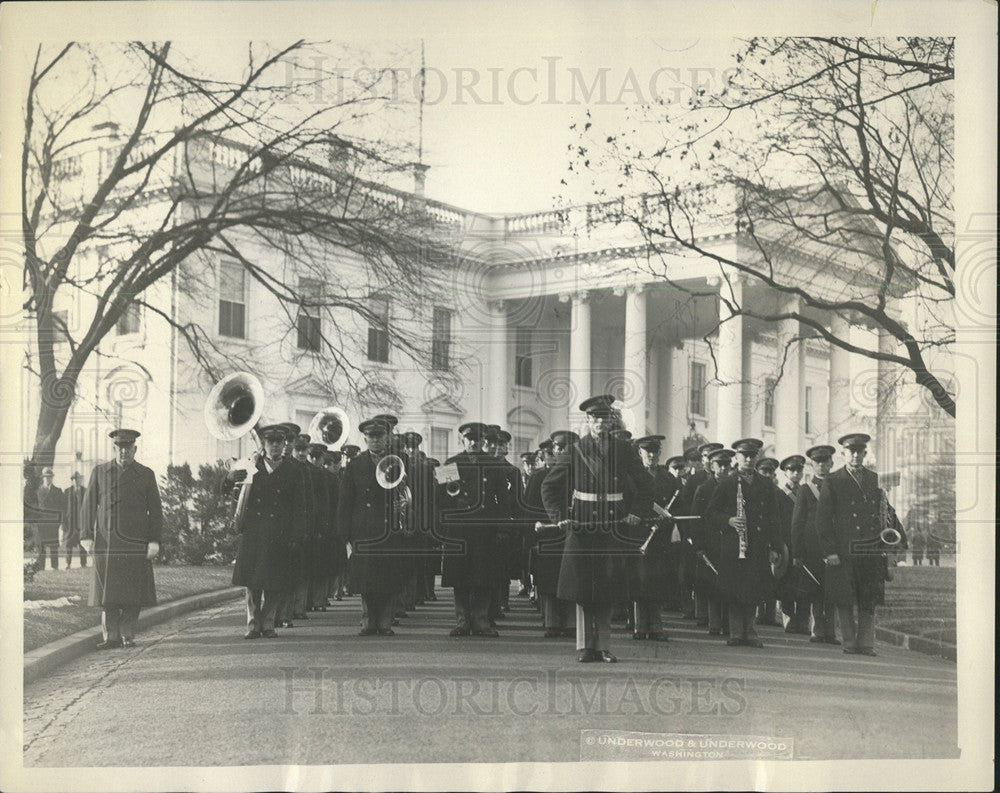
(665, 513)
(741, 512)
(233, 408)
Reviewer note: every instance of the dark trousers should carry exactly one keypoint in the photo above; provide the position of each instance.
(824, 620)
(262, 607)
(857, 626)
(472, 608)
(48, 548)
(119, 621)
(647, 616)
(378, 608)
(593, 626)
(557, 614)
(69, 554)
(742, 620)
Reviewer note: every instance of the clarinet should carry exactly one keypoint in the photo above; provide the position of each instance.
(741, 512)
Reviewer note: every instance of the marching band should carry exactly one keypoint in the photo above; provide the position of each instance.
(591, 526)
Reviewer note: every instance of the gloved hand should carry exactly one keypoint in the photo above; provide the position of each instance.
(152, 549)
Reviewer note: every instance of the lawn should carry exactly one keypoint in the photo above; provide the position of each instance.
(921, 602)
(48, 623)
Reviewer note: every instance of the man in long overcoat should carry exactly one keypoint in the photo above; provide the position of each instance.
(471, 514)
(122, 523)
(706, 542)
(368, 521)
(650, 580)
(50, 502)
(594, 493)
(849, 520)
(745, 577)
(73, 519)
(807, 551)
(270, 534)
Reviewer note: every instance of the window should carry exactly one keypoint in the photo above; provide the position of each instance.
(441, 339)
(378, 330)
(128, 322)
(522, 357)
(769, 385)
(697, 388)
(232, 300)
(808, 409)
(310, 329)
(439, 443)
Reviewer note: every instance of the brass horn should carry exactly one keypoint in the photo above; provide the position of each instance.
(390, 472)
(330, 426)
(234, 406)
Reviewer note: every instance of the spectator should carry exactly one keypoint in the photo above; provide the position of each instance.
(49, 501)
(72, 520)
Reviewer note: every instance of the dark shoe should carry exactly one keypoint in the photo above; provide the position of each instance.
(252, 635)
(753, 642)
(586, 656)
(492, 634)
(387, 632)
(338, 597)
(607, 657)
(270, 634)
(867, 651)
(639, 636)
(734, 642)
(658, 636)
(108, 644)
(832, 640)
(368, 632)
(852, 651)
(459, 632)
(816, 639)
(128, 642)
(552, 633)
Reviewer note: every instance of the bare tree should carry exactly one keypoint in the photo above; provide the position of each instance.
(839, 151)
(139, 164)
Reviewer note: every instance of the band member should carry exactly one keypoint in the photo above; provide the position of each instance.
(267, 558)
(605, 485)
(742, 509)
(807, 551)
(767, 611)
(50, 502)
(651, 582)
(528, 460)
(420, 521)
(297, 602)
(558, 616)
(693, 607)
(510, 530)
(122, 522)
(850, 515)
(369, 522)
(793, 605)
(469, 518)
(707, 544)
(73, 519)
(678, 468)
(325, 560)
(333, 463)
(546, 457)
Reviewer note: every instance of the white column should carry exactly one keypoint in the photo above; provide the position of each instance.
(787, 407)
(839, 399)
(653, 425)
(579, 352)
(495, 378)
(885, 405)
(729, 364)
(634, 369)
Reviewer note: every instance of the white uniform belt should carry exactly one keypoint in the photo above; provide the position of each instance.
(580, 496)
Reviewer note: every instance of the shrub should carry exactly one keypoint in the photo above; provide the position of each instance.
(197, 516)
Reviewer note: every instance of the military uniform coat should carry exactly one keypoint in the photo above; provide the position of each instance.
(650, 574)
(546, 545)
(73, 515)
(122, 514)
(268, 554)
(593, 568)
(805, 544)
(847, 515)
(368, 520)
(470, 521)
(50, 504)
(319, 548)
(705, 537)
(749, 580)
